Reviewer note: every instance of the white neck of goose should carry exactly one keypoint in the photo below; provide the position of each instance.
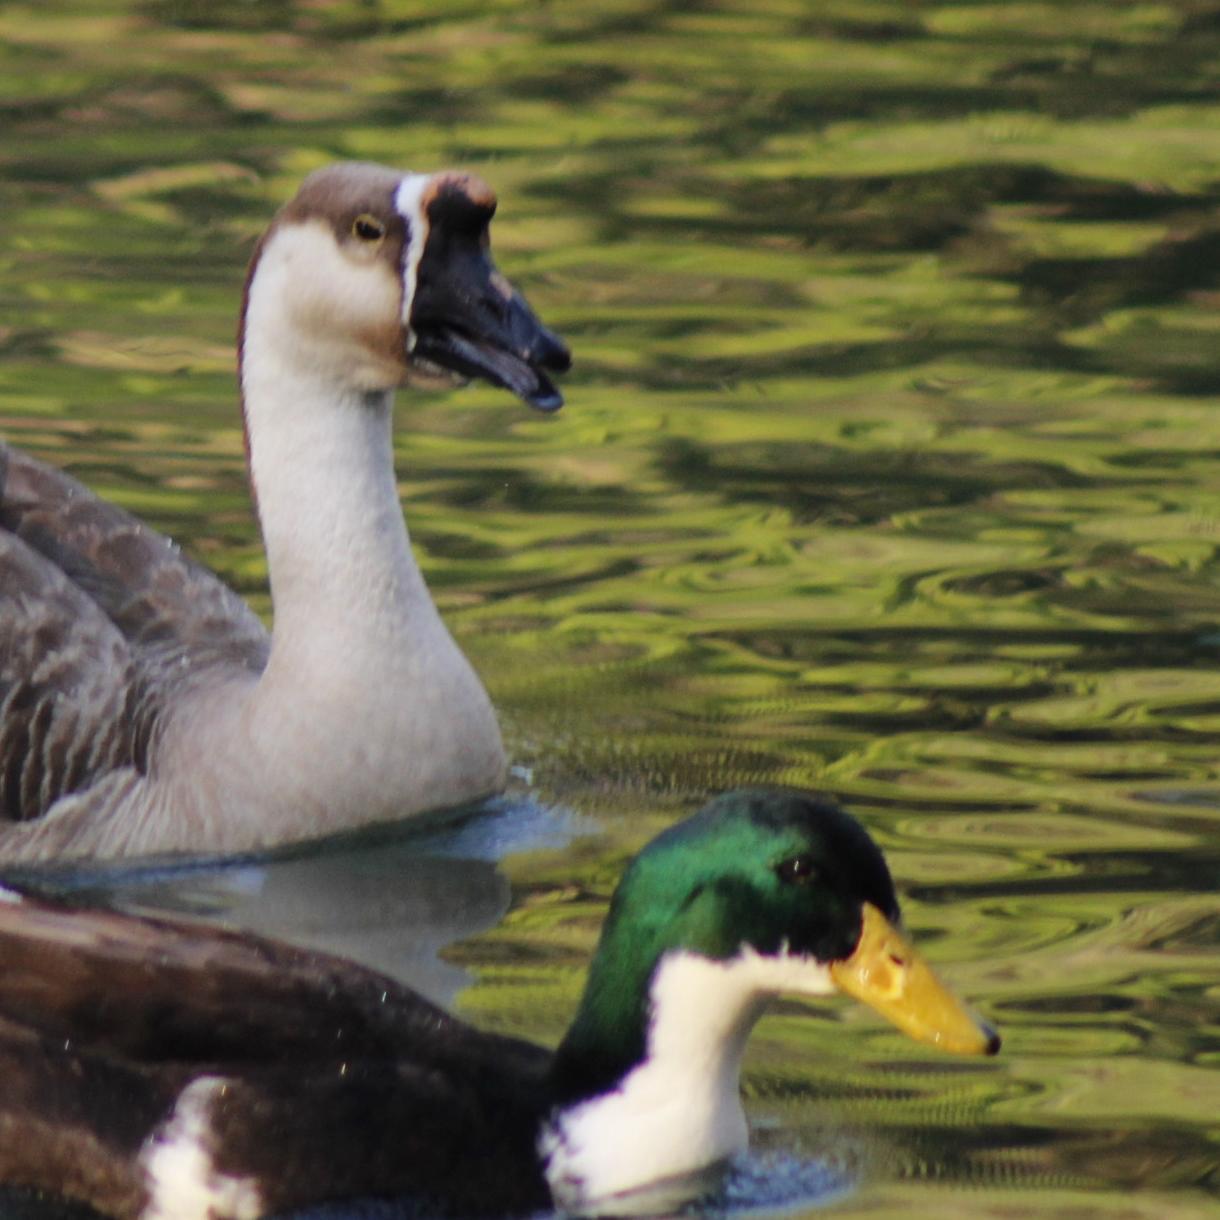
(643, 1144)
(317, 395)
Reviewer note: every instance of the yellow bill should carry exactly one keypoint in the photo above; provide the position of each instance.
(888, 973)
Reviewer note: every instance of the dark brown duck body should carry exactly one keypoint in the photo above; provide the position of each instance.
(322, 1079)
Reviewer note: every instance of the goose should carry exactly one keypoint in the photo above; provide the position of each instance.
(165, 1071)
(144, 708)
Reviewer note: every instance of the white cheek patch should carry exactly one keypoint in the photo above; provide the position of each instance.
(409, 200)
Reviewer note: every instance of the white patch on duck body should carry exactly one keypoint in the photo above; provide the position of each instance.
(680, 1110)
(179, 1165)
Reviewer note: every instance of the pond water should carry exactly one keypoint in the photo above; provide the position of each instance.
(890, 465)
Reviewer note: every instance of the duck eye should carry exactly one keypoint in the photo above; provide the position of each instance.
(368, 228)
(796, 870)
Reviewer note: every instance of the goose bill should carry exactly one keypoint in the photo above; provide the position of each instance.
(468, 319)
(470, 357)
(888, 973)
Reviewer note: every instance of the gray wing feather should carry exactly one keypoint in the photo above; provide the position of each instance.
(102, 622)
(65, 682)
(156, 596)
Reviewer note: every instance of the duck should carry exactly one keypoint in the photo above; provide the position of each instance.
(160, 1070)
(144, 707)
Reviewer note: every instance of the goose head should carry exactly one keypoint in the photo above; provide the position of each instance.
(371, 278)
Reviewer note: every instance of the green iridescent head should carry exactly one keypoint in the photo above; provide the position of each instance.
(763, 869)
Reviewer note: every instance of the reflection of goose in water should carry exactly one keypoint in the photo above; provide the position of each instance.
(143, 707)
(165, 1070)
(389, 897)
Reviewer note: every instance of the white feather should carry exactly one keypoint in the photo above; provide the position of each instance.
(179, 1168)
(680, 1110)
(408, 199)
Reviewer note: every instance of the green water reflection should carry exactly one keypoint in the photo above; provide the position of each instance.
(890, 465)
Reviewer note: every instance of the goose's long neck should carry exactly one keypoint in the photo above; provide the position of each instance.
(318, 427)
(321, 461)
(366, 710)
(343, 723)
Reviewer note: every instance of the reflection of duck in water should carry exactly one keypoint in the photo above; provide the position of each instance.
(143, 707)
(159, 1070)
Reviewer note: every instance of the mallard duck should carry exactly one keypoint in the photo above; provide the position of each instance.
(143, 706)
(169, 1072)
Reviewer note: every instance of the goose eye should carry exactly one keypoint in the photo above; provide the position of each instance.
(796, 870)
(368, 228)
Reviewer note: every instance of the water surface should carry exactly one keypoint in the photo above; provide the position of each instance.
(890, 466)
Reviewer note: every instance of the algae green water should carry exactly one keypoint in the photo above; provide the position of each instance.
(890, 465)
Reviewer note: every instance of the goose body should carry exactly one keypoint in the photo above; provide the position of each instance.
(157, 1070)
(143, 706)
